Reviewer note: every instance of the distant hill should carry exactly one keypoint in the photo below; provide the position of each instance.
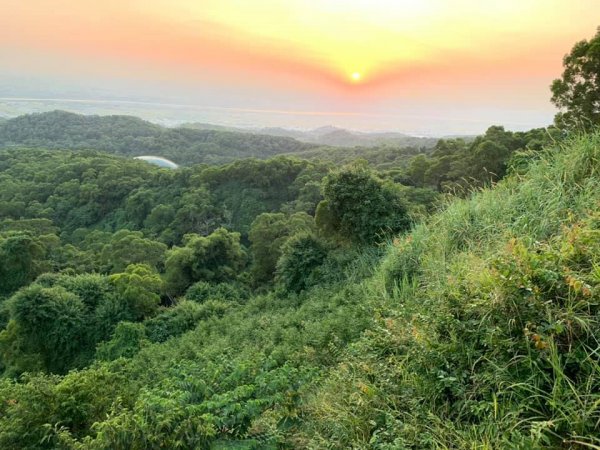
(206, 143)
(210, 126)
(332, 136)
(128, 135)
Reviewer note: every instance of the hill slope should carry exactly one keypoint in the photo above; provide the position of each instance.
(486, 331)
(479, 329)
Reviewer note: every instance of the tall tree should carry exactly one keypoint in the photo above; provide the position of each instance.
(47, 326)
(267, 235)
(22, 258)
(359, 206)
(217, 257)
(298, 266)
(139, 289)
(130, 247)
(577, 92)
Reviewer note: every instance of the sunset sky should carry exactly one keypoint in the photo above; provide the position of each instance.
(408, 65)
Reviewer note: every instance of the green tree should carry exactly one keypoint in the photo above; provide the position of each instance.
(268, 233)
(180, 318)
(301, 257)
(159, 218)
(47, 324)
(215, 258)
(22, 258)
(138, 206)
(197, 213)
(203, 291)
(139, 288)
(417, 169)
(577, 92)
(359, 206)
(489, 160)
(130, 247)
(127, 340)
(93, 289)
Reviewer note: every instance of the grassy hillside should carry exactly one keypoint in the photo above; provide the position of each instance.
(478, 329)
(127, 135)
(485, 329)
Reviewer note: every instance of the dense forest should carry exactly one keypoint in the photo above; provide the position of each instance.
(381, 298)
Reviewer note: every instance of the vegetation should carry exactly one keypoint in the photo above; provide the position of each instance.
(478, 328)
(458, 166)
(214, 258)
(485, 333)
(268, 234)
(332, 136)
(382, 157)
(86, 197)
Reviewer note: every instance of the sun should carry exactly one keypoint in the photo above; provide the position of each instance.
(356, 76)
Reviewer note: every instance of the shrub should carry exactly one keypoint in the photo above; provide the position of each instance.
(127, 340)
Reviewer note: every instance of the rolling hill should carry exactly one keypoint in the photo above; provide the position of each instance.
(127, 135)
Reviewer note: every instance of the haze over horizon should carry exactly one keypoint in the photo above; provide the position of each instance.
(420, 67)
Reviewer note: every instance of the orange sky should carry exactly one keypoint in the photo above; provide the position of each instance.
(430, 57)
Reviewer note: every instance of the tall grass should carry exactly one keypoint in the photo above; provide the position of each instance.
(486, 331)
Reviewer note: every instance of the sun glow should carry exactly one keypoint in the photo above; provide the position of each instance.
(383, 35)
(357, 51)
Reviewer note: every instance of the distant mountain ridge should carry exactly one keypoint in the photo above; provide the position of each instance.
(331, 136)
(132, 136)
(202, 143)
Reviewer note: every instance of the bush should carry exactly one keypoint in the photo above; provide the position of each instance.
(139, 289)
(127, 340)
